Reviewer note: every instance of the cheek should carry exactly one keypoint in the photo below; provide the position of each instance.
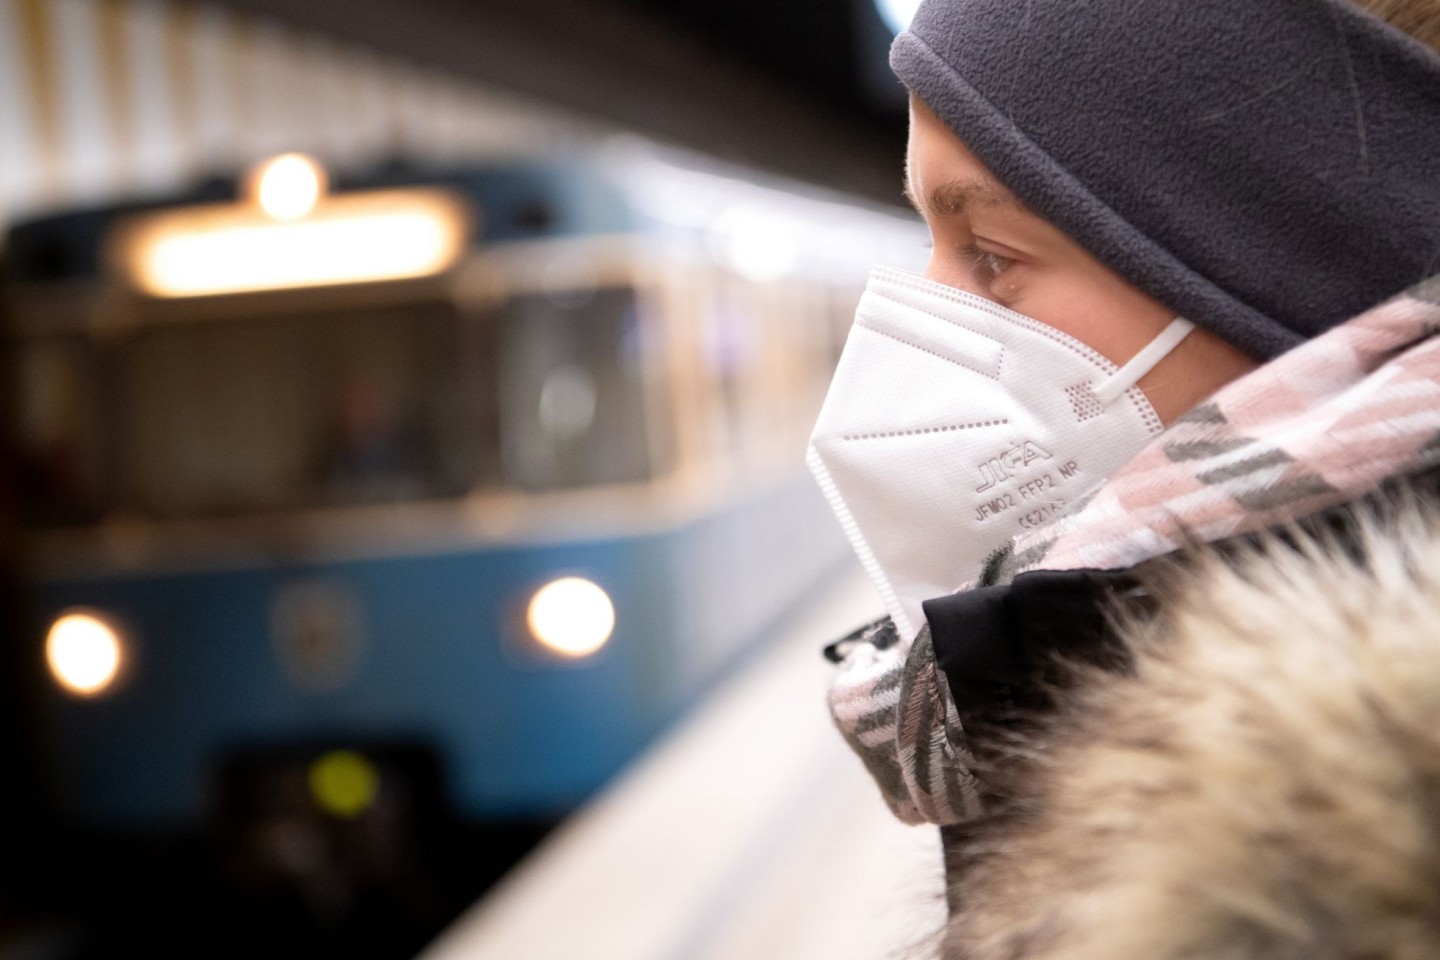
(1115, 321)
(1008, 287)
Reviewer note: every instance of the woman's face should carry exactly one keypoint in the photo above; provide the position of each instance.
(986, 242)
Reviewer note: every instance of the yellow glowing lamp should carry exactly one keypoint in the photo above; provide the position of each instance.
(289, 186)
(571, 616)
(344, 783)
(291, 235)
(84, 653)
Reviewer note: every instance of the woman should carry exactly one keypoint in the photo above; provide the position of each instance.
(1163, 658)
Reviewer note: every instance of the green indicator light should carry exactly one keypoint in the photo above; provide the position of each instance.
(344, 783)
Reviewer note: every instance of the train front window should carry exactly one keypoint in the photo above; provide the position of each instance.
(573, 401)
(57, 428)
(329, 408)
(227, 415)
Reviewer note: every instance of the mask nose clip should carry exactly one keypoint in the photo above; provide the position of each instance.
(1114, 386)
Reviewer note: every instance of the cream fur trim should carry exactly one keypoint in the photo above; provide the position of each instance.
(1265, 785)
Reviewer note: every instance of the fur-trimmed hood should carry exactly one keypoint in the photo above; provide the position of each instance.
(1263, 781)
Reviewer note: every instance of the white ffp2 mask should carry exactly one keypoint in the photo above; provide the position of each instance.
(953, 424)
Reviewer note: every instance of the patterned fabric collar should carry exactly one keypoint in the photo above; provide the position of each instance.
(1321, 425)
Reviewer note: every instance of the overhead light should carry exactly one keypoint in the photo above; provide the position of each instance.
(758, 244)
(897, 14)
(351, 238)
(84, 653)
(289, 186)
(571, 616)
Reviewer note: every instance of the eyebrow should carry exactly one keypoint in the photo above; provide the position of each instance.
(954, 197)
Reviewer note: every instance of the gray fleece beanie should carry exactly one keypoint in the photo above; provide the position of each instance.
(1267, 168)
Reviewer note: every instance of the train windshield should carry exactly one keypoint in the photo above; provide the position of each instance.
(334, 407)
(344, 406)
(573, 390)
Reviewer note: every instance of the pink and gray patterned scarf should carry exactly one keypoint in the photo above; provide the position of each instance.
(1318, 426)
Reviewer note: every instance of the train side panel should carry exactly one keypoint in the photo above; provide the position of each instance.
(432, 648)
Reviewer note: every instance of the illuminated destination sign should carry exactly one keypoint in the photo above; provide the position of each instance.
(280, 244)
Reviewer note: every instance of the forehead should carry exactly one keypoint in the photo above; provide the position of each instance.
(942, 174)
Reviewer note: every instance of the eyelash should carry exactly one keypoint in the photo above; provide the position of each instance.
(985, 260)
(980, 259)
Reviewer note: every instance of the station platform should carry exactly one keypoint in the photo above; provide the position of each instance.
(750, 832)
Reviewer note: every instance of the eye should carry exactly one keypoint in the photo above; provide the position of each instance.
(987, 265)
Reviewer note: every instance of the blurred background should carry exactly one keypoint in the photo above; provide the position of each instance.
(404, 412)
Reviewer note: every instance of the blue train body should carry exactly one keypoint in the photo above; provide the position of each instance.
(684, 366)
(441, 662)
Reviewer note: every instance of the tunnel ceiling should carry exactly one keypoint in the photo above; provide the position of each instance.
(795, 86)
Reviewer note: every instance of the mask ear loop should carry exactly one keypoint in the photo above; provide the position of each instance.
(1114, 386)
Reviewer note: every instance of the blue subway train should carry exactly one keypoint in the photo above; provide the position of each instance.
(503, 461)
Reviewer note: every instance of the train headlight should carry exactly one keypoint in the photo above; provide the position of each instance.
(571, 616)
(84, 652)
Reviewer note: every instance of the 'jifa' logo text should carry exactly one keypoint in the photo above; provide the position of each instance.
(999, 469)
